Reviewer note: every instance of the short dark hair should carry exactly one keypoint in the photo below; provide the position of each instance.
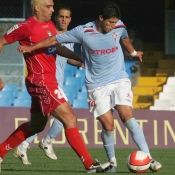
(110, 9)
(63, 5)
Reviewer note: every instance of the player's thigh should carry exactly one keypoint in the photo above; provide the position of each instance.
(122, 93)
(101, 101)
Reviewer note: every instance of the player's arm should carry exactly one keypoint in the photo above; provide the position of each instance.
(18, 32)
(50, 41)
(65, 52)
(42, 44)
(75, 63)
(128, 45)
(3, 42)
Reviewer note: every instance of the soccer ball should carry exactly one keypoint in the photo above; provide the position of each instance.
(138, 162)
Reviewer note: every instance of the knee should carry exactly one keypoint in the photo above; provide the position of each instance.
(107, 123)
(125, 115)
(70, 121)
(108, 126)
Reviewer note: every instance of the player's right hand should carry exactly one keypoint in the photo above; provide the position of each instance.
(140, 55)
(24, 49)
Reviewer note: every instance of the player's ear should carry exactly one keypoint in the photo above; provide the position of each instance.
(37, 7)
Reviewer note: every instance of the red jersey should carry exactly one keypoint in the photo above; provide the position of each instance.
(41, 79)
(40, 65)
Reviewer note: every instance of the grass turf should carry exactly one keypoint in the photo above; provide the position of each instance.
(69, 164)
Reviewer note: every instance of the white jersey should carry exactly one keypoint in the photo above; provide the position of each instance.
(60, 65)
(103, 56)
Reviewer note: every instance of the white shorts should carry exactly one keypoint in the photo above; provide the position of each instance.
(104, 98)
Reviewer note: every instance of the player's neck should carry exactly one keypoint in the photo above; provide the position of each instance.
(98, 26)
(37, 18)
(61, 31)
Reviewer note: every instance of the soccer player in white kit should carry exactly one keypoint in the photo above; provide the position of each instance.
(63, 19)
(106, 79)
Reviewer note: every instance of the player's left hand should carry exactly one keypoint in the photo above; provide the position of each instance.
(24, 49)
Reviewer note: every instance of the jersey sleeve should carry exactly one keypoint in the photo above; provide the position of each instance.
(122, 28)
(124, 34)
(72, 36)
(18, 32)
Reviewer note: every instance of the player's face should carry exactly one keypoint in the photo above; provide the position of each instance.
(108, 24)
(45, 10)
(63, 19)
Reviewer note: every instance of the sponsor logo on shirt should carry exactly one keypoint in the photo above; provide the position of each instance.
(103, 51)
(114, 35)
(51, 50)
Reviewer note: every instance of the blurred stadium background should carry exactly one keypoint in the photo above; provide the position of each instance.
(153, 80)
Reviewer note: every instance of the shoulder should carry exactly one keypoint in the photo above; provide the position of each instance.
(120, 24)
(21, 26)
(89, 27)
(30, 22)
(51, 24)
(27, 22)
(81, 29)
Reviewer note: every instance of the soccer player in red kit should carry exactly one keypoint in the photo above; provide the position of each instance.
(47, 98)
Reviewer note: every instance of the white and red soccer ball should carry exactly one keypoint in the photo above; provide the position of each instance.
(138, 162)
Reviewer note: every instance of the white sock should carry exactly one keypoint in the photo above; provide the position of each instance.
(113, 160)
(23, 146)
(137, 135)
(108, 143)
(47, 139)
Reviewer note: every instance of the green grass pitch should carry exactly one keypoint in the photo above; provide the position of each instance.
(69, 164)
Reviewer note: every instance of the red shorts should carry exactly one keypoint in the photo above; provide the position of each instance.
(45, 98)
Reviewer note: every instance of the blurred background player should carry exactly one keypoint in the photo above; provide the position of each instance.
(106, 78)
(62, 18)
(47, 98)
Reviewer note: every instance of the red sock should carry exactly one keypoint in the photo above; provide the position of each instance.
(19, 135)
(76, 142)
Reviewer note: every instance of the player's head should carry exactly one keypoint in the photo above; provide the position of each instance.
(63, 16)
(109, 14)
(42, 9)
